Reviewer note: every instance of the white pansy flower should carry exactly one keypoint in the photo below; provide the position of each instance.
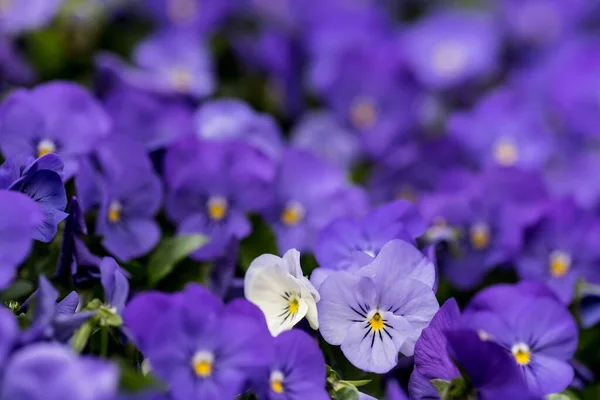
(276, 285)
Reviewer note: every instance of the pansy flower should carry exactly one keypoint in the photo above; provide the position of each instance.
(381, 309)
(298, 369)
(198, 16)
(308, 194)
(232, 119)
(14, 69)
(115, 284)
(19, 222)
(49, 371)
(168, 62)
(212, 184)
(560, 259)
(449, 48)
(18, 16)
(56, 117)
(541, 348)
(277, 286)
(199, 347)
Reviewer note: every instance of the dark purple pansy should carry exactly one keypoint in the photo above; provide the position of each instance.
(115, 284)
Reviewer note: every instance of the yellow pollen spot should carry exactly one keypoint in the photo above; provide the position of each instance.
(44, 146)
(217, 208)
(480, 235)
(522, 353)
(376, 322)
(114, 212)
(506, 153)
(292, 214)
(202, 363)
(294, 306)
(363, 113)
(277, 382)
(181, 79)
(560, 263)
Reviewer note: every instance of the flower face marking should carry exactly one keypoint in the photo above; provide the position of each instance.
(559, 263)
(292, 214)
(202, 363)
(45, 146)
(522, 353)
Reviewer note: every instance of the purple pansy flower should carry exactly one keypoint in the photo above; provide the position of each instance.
(230, 119)
(115, 284)
(56, 117)
(41, 181)
(155, 121)
(198, 346)
(571, 177)
(449, 48)
(484, 223)
(534, 327)
(17, 16)
(381, 309)
(168, 62)
(211, 187)
(337, 243)
(498, 131)
(9, 336)
(309, 193)
(19, 222)
(14, 69)
(321, 133)
(52, 321)
(49, 371)
(298, 370)
(199, 16)
(559, 259)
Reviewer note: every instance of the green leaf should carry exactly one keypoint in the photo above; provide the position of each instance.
(345, 392)
(442, 387)
(82, 335)
(17, 290)
(134, 381)
(169, 253)
(332, 376)
(357, 383)
(557, 396)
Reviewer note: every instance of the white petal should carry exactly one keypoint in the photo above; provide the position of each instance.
(291, 261)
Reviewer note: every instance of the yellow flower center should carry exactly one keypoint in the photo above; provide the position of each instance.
(294, 305)
(44, 146)
(376, 322)
(480, 235)
(277, 382)
(522, 353)
(217, 208)
(506, 153)
(292, 213)
(363, 113)
(560, 263)
(114, 212)
(202, 363)
(181, 11)
(449, 58)
(181, 79)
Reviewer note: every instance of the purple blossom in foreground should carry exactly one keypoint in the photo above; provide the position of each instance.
(56, 117)
(298, 369)
(198, 346)
(52, 372)
(19, 220)
(534, 327)
(115, 284)
(303, 204)
(21, 16)
(381, 309)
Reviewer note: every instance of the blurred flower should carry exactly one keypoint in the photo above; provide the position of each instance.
(198, 346)
(559, 259)
(9, 336)
(381, 309)
(52, 321)
(19, 221)
(277, 286)
(154, 121)
(18, 16)
(450, 48)
(498, 131)
(298, 369)
(198, 16)
(337, 242)
(211, 187)
(168, 62)
(322, 134)
(50, 372)
(56, 117)
(14, 69)
(541, 349)
(309, 193)
(232, 119)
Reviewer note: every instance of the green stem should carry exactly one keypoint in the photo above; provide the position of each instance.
(104, 342)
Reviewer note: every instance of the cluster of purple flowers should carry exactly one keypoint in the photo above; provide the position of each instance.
(204, 199)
